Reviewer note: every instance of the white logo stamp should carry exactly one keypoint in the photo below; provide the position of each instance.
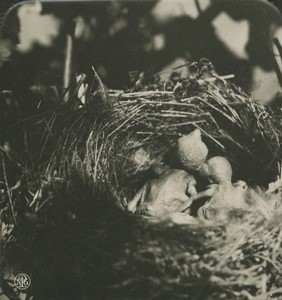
(22, 281)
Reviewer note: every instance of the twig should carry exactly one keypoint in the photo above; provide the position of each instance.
(157, 133)
(13, 188)
(184, 123)
(276, 65)
(2, 149)
(145, 101)
(126, 121)
(179, 112)
(278, 46)
(145, 94)
(209, 136)
(68, 65)
(199, 9)
(219, 111)
(9, 192)
(212, 79)
(154, 93)
(166, 115)
(102, 87)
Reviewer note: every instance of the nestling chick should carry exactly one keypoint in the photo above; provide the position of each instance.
(222, 193)
(169, 193)
(225, 197)
(191, 150)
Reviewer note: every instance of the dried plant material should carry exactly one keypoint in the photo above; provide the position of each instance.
(94, 159)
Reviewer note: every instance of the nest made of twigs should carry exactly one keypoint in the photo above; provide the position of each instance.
(93, 155)
(119, 139)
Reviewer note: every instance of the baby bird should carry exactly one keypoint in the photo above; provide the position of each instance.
(222, 194)
(169, 193)
(227, 199)
(191, 150)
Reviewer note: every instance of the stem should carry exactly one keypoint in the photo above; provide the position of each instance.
(276, 65)
(68, 66)
(197, 3)
(278, 46)
(9, 192)
(68, 63)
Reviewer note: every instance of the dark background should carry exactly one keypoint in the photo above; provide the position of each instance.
(123, 52)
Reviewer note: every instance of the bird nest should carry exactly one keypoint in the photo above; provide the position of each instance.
(93, 158)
